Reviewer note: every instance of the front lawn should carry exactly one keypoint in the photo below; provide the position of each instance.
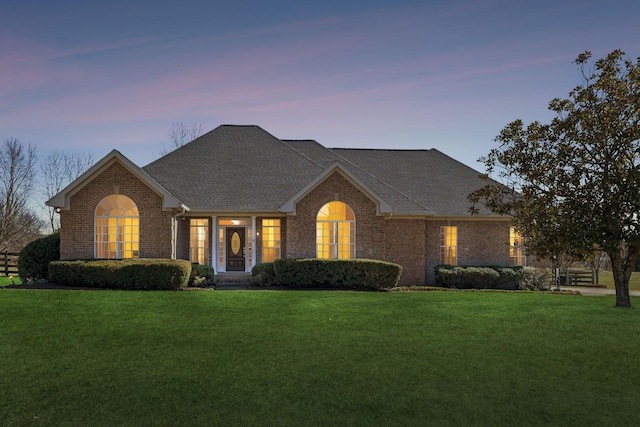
(606, 278)
(106, 358)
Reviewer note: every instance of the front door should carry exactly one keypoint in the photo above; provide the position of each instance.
(235, 249)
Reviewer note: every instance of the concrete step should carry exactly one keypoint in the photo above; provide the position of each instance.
(232, 279)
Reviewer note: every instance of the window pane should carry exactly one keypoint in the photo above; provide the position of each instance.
(449, 245)
(270, 240)
(516, 248)
(199, 240)
(116, 227)
(335, 231)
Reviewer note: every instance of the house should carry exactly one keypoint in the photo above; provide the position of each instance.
(238, 195)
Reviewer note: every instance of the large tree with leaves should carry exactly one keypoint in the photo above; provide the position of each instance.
(572, 186)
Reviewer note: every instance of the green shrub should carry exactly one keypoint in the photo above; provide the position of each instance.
(337, 273)
(479, 278)
(536, 279)
(201, 275)
(122, 274)
(476, 277)
(508, 279)
(34, 259)
(448, 277)
(263, 274)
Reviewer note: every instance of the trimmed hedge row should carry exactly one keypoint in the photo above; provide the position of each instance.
(156, 274)
(470, 277)
(328, 273)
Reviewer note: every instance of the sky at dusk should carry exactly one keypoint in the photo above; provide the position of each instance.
(96, 75)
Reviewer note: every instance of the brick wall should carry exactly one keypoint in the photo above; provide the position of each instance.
(479, 243)
(405, 245)
(77, 232)
(399, 241)
(412, 243)
(301, 228)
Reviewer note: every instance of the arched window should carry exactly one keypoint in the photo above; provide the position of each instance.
(335, 231)
(117, 228)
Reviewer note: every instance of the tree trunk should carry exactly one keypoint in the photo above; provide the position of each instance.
(622, 268)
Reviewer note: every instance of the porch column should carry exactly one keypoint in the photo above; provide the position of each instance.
(173, 237)
(213, 241)
(253, 241)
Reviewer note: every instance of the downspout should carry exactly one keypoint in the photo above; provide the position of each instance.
(174, 246)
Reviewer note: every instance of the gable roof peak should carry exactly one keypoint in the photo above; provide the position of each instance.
(62, 200)
(381, 205)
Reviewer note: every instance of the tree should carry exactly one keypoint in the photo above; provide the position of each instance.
(180, 134)
(17, 174)
(59, 169)
(598, 262)
(572, 185)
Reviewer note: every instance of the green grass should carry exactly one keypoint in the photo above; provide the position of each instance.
(606, 278)
(6, 280)
(299, 358)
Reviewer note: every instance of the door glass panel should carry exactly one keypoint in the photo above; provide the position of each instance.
(235, 243)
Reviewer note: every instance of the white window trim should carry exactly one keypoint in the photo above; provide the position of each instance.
(95, 227)
(352, 240)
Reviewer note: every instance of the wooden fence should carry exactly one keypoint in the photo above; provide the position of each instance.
(580, 277)
(8, 263)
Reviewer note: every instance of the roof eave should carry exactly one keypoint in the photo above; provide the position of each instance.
(382, 207)
(62, 200)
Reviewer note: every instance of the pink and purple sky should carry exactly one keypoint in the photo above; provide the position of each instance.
(96, 75)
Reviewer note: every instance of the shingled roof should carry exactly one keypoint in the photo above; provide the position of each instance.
(245, 168)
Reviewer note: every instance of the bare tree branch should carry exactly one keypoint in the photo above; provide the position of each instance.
(59, 169)
(17, 177)
(180, 134)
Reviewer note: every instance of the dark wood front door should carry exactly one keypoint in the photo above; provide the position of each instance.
(235, 249)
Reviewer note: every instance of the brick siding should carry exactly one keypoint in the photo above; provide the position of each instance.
(412, 243)
(479, 243)
(405, 245)
(399, 241)
(77, 225)
(301, 228)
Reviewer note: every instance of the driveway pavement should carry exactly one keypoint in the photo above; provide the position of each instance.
(585, 290)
